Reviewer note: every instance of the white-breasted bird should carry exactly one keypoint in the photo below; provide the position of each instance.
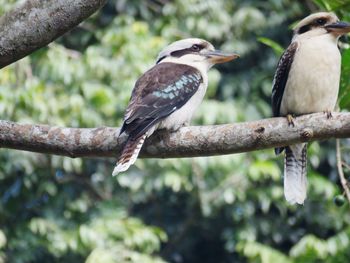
(307, 81)
(167, 95)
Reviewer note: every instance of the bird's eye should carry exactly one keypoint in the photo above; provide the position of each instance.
(196, 47)
(321, 21)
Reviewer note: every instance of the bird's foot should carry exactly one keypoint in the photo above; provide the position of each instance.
(175, 128)
(186, 123)
(328, 114)
(290, 119)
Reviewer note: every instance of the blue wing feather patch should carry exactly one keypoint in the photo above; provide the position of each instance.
(173, 90)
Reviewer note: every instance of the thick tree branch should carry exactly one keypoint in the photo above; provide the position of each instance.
(38, 22)
(187, 142)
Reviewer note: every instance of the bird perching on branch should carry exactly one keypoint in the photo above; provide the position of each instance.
(307, 81)
(167, 95)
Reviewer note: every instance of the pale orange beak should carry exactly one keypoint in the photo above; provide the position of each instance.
(338, 28)
(218, 56)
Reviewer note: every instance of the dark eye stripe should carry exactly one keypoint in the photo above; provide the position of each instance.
(304, 29)
(191, 50)
(319, 22)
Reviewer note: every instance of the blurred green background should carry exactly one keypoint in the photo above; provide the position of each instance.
(211, 209)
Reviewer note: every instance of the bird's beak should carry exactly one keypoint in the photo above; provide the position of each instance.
(339, 28)
(218, 56)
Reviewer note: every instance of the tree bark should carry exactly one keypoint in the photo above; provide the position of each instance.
(36, 23)
(187, 142)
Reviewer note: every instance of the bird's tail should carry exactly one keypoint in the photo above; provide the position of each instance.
(129, 154)
(295, 182)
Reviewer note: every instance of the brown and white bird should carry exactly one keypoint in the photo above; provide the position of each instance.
(167, 95)
(307, 81)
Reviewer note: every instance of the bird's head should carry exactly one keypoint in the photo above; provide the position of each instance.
(195, 52)
(320, 24)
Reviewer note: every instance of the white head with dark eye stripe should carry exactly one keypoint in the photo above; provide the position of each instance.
(195, 52)
(321, 24)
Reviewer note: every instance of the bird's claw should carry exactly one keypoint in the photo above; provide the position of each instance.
(290, 120)
(328, 114)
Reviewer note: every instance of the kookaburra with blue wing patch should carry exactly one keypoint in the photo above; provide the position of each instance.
(307, 81)
(167, 95)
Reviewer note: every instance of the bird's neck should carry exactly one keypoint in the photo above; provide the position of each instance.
(201, 66)
(324, 38)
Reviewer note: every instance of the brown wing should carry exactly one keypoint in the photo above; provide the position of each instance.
(160, 91)
(281, 77)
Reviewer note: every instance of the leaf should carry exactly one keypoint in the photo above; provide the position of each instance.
(99, 255)
(258, 252)
(309, 247)
(2, 239)
(333, 5)
(344, 92)
(272, 44)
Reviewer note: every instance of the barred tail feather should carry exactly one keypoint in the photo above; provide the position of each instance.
(129, 154)
(295, 182)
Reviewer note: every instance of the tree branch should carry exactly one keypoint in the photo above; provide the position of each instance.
(187, 142)
(36, 23)
(343, 180)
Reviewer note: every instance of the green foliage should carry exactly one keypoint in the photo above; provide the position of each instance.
(336, 5)
(313, 249)
(218, 209)
(344, 93)
(257, 252)
(272, 44)
(121, 239)
(7, 5)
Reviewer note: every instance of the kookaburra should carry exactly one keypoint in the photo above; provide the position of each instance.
(307, 81)
(167, 95)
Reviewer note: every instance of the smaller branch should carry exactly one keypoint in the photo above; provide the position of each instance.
(343, 180)
(345, 164)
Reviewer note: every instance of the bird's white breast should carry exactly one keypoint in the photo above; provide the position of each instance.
(184, 115)
(313, 80)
